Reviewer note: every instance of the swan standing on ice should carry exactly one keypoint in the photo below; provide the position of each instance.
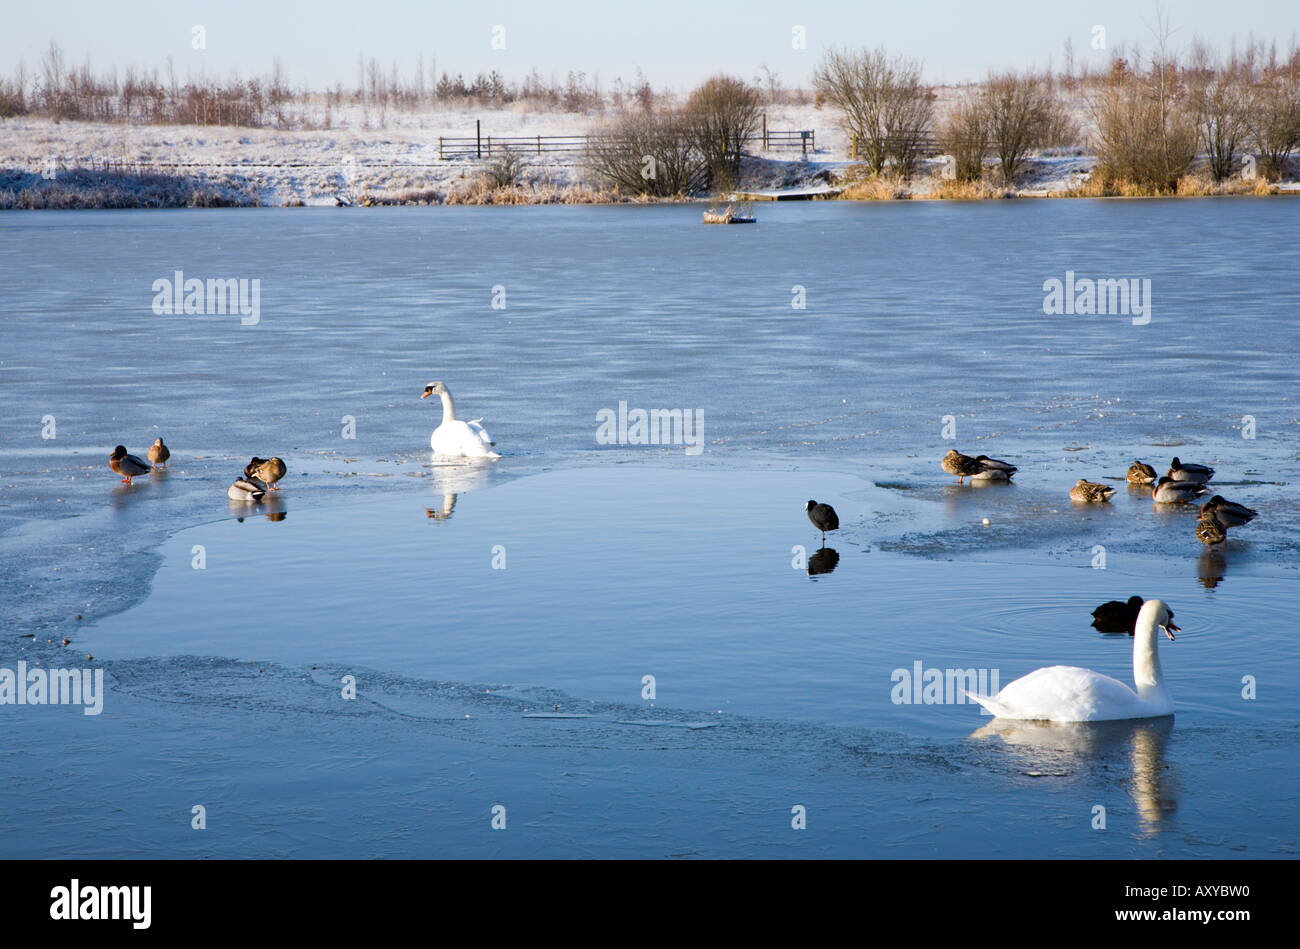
(1071, 694)
(454, 437)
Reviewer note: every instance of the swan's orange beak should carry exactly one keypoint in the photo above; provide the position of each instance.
(425, 394)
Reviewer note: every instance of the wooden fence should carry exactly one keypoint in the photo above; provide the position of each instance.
(479, 145)
(926, 145)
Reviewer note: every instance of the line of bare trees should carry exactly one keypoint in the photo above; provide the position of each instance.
(1155, 115)
(1151, 116)
(890, 114)
(64, 92)
(150, 96)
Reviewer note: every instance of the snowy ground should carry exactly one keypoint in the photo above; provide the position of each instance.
(356, 158)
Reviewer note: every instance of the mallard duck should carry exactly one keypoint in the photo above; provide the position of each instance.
(1168, 491)
(1090, 492)
(992, 464)
(269, 471)
(990, 474)
(244, 490)
(1117, 616)
(454, 437)
(1181, 472)
(1139, 473)
(127, 465)
(158, 454)
(1228, 513)
(823, 517)
(963, 466)
(1210, 532)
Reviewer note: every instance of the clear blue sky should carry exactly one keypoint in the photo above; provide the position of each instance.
(675, 42)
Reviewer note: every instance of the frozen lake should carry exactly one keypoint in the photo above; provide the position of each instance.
(557, 578)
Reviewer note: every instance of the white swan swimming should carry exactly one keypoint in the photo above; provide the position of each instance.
(1071, 694)
(454, 437)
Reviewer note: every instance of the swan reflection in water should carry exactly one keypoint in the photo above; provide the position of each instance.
(823, 561)
(1211, 567)
(453, 478)
(442, 512)
(1131, 748)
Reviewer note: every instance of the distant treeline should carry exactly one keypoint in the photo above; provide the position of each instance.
(152, 96)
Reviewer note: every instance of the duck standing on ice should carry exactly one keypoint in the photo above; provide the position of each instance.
(269, 471)
(127, 465)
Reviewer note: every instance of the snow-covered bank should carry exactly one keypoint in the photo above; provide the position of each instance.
(401, 164)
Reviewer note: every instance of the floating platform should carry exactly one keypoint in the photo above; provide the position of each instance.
(729, 215)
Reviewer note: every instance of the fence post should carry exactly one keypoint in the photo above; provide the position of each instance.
(764, 131)
(478, 138)
(539, 144)
(440, 148)
(489, 146)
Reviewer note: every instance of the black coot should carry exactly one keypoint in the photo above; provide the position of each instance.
(823, 518)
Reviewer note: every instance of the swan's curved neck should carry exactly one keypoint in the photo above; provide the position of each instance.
(1147, 675)
(448, 410)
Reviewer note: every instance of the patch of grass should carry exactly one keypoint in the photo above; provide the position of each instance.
(85, 189)
(956, 190)
(861, 185)
(1196, 185)
(1203, 185)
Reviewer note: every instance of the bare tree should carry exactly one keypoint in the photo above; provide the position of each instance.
(964, 134)
(278, 94)
(1020, 110)
(647, 153)
(770, 83)
(1146, 130)
(1274, 116)
(643, 92)
(13, 94)
(882, 103)
(722, 114)
(1221, 101)
(53, 83)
